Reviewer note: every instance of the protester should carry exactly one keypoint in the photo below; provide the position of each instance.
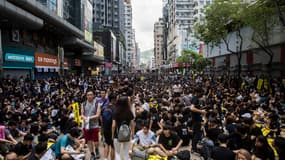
(90, 113)
(169, 142)
(245, 112)
(145, 142)
(123, 121)
(67, 140)
(24, 149)
(107, 117)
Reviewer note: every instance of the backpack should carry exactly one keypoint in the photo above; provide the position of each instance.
(107, 116)
(124, 133)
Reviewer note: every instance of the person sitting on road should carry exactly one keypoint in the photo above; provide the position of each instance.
(145, 140)
(169, 141)
(68, 139)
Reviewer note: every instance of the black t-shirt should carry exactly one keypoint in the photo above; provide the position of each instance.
(184, 134)
(21, 149)
(155, 119)
(14, 132)
(222, 153)
(196, 117)
(169, 142)
(213, 133)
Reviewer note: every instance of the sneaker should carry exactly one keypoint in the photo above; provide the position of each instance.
(92, 157)
(97, 155)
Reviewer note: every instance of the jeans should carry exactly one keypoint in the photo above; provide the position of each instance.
(121, 150)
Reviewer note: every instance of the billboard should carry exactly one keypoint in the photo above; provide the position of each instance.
(88, 14)
(99, 49)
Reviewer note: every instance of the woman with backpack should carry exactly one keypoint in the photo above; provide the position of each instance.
(122, 128)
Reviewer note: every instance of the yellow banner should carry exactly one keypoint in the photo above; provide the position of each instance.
(94, 73)
(283, 81)
(76, 113)
(259, 84)
(242, 85)
(265, 131)
(270, 142)
(266, 85)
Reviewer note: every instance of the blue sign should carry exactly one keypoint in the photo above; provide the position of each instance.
(19, 58)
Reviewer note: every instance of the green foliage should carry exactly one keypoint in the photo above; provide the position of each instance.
(222, 17)
(197, 60)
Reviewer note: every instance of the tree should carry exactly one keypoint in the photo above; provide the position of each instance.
(221, 18)
(262, 26)
(278, 6)
(197, 60)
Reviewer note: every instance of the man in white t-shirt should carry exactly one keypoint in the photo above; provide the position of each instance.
(145, 141)
(177, 89)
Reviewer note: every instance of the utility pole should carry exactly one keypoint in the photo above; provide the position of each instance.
(61, 61)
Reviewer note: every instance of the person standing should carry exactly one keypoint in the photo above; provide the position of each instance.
(90, 113)
(107, 114)
(123, 116)
(196, 113)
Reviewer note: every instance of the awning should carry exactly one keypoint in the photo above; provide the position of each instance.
(49, 67)
(16, 15)
(93, 58)
(39, 10)
(11, 67)
(76, 42)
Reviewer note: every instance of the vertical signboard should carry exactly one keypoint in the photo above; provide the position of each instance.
(88, 14)
(60, 8)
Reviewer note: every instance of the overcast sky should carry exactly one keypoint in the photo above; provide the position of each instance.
(145, 14)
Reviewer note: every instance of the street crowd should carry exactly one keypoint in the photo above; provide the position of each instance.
(142, 117)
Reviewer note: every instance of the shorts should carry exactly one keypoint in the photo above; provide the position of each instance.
(91, 134)
(108, 137)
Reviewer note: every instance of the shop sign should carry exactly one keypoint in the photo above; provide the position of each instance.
(99, 49)
(19, 58)
(46, 60)
(108, 65)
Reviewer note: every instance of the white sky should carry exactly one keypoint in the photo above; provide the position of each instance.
(145, 14)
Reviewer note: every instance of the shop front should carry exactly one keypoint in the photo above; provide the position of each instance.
(18, 63)
(47, 66)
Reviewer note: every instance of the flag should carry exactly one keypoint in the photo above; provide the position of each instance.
(259, 84)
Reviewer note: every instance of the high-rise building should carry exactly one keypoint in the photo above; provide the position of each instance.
(180, 24)
(109, 14)
(129, 34)
(158, 42)
(108, 17)
(137, 56)
(199, 9)
(165, 11)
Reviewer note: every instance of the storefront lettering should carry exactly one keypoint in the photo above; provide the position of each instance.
(47, 60)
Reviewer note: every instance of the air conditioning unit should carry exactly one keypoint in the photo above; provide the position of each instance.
(15, 35)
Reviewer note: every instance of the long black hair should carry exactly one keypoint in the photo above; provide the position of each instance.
(123, 110)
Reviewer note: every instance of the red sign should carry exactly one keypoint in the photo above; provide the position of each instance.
(201, 50)
(47, 60)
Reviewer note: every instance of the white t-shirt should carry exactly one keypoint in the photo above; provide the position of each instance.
(176, 88)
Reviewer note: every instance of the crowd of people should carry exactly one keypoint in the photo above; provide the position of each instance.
(142, 116)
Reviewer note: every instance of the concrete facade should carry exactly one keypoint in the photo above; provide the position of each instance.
(129, 33)
(180, 22)
(109, 14)
(45, 28)
(158, 42)
(253, 58)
